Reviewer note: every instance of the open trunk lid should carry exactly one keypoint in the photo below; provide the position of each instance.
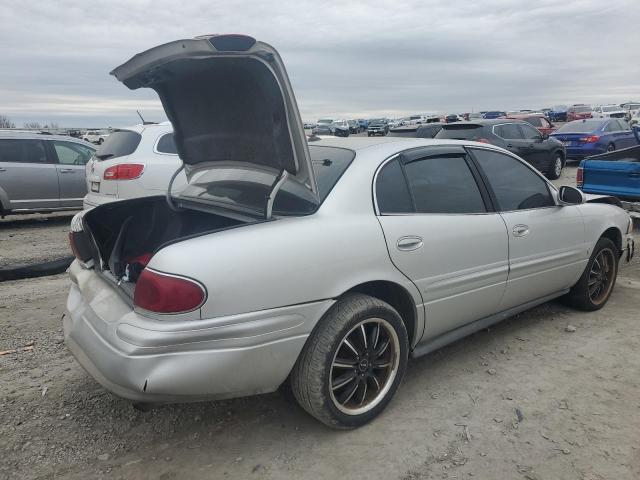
(236, 122)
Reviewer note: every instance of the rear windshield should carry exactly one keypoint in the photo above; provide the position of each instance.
(579, 127)
(248, 189)
(119, 144)
(460, 132)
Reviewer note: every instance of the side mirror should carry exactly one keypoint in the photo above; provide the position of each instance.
(570, 196)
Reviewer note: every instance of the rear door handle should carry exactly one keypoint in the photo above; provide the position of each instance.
(409, 243)
(634, 174)
(66, 170)
(520, 230)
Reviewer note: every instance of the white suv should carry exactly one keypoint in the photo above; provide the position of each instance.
(133, 162)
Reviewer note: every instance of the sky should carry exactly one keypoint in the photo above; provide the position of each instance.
(345, 59)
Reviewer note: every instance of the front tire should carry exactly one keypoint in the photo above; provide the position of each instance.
(353, 362)
(555, 167)
(598, 279)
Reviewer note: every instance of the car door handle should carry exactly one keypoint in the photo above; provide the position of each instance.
(520, 230)
(409, 243)
(509, 145)
(3, 169)
(66, 170)
(634, 174)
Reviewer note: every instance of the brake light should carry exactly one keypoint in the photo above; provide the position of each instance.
(162, 293)
(580, 177)
(482, 140)
(589, 139)
(124, 171)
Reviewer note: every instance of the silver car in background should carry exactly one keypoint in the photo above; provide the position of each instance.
(42, 172)
(325, 264)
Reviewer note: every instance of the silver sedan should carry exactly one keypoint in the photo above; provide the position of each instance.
(324, 265)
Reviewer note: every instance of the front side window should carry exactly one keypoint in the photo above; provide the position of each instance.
(529, 133)
(167, 144)
(69, 153)
(22, 151)
(515, 186)
(508, 131)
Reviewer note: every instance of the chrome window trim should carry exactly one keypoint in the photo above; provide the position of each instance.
(155, 145)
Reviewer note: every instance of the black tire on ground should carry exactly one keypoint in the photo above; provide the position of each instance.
(100, 141)
(555, 167)
(580, 295)
(368, 134)
(313, 380)
(611, 147)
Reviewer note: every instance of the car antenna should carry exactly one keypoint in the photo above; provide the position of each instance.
(143, 121)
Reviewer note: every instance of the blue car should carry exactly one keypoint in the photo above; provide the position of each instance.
(558, 113)
(583, 138)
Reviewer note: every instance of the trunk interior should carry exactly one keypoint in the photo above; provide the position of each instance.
(128, 233)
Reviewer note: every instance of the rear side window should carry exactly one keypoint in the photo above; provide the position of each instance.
(22, 151)
(612, 126)
(623, 125)
(508, 131)
(167, 144)
(461, 132)
(329, 163)
(443, 185)
(515, 186)
(119, 144)
(392, 193)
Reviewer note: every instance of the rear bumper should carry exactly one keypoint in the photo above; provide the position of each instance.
(578, 153)
(160, 361)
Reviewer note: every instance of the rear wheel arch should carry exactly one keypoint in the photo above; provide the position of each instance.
(398, 297)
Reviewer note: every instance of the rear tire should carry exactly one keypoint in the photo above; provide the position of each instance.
(555, 167)
(353, 362)
(611, 147)
(594, 288)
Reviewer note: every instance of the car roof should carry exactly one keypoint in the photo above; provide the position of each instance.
(361, 143)
(27, 135)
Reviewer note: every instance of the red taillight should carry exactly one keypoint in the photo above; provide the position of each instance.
(482, 140)
(162, 293)
(124, 171)
(580, 177)
(589, 139)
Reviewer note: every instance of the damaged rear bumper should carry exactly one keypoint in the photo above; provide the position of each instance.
(161, 361)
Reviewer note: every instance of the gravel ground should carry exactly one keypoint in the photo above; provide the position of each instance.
(538, 402)
(29, 239)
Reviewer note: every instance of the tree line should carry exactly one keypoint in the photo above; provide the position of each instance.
(5, 122)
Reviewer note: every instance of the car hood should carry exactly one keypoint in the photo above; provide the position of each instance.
(231, 105)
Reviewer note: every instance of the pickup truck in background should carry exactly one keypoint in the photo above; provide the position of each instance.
(614, 173)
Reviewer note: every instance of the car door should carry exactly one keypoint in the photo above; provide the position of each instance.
(624, 135)
(443, 235)
(71, 158)
(28, 177)
(539, 149)
(547, 248)
(514, 139)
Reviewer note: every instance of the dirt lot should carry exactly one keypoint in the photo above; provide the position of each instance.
(526, 399)
(29, 239)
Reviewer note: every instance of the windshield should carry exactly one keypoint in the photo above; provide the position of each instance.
(560, 108)
(579, 127)
(378, 121)
(119, 144)
(246, 188)
(325, 121)
(610, 108)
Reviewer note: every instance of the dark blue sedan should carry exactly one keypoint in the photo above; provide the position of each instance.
(583, 138)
